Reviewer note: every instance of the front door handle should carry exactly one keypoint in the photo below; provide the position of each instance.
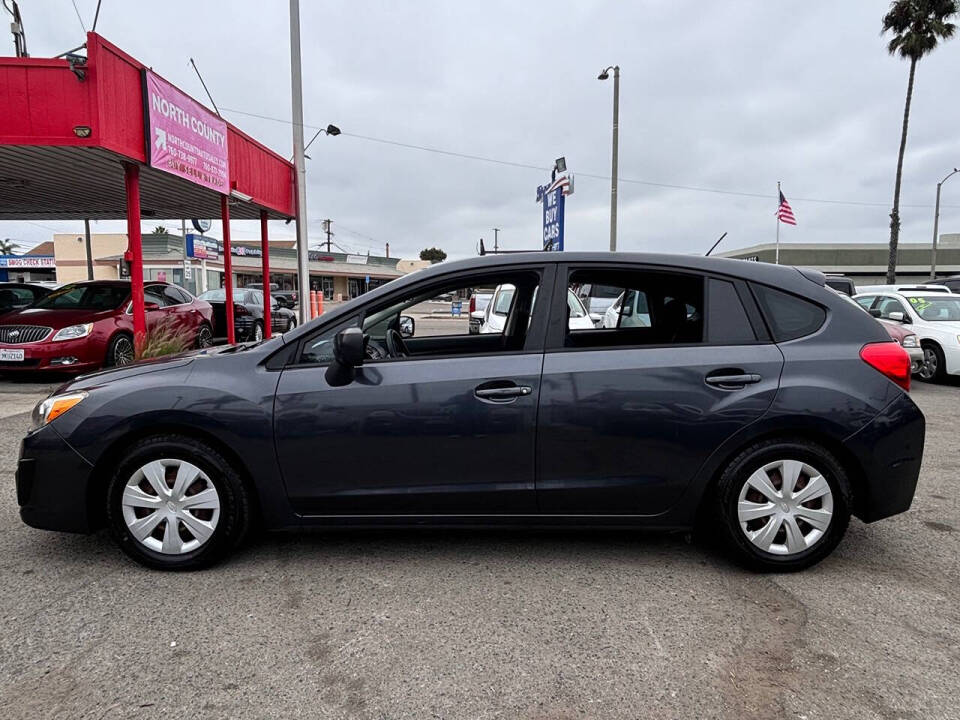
(732, 381)
(502, 393)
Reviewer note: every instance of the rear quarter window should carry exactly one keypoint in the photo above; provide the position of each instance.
(788, 316)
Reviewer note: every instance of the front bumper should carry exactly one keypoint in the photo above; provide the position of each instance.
(87, 354)
(916, 358)
(889, 449)
(53, 483)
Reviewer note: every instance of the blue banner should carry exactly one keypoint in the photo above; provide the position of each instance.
(553, 203)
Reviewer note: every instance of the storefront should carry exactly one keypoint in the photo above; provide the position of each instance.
(27, 268)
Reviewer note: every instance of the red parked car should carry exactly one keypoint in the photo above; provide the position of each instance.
(88, 325)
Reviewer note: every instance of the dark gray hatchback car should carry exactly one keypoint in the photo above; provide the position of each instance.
(742, 396)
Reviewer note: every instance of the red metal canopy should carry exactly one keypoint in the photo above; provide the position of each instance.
(72, 146)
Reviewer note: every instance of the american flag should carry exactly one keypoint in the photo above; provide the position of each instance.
(785, 212)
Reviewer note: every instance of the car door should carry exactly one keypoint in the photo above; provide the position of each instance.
(629, 414)
(449, 430)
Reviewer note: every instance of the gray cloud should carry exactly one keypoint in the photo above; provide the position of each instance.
(732, 96)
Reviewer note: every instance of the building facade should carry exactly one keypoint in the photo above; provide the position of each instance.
(865, 263)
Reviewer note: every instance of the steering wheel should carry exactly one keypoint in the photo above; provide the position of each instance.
(395, 344)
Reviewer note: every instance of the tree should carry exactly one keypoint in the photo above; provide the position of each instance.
(7, 246)
(159, 230)
(917, 27)
(433, 254)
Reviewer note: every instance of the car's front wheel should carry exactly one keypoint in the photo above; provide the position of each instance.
(175, 503)
(204, 336)
(120, 350)
(783, 505)
(933, 368)
(257, 334)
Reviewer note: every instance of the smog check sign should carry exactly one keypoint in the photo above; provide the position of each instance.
(183, 137)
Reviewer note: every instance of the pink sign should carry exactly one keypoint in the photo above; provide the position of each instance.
(185, 139)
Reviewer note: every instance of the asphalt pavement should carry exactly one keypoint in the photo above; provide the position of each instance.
(432, 624)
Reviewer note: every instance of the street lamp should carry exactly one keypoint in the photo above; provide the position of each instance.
(616, 133)
(330, 130)
(936, 227)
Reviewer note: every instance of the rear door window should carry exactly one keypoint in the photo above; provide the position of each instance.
(728, 323)
(789, 316)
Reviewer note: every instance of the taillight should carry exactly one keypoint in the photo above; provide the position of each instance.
(473, 304)
(889, 359)
(240, 309)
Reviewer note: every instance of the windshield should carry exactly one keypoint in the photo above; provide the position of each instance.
(219, 295)
(85, 297)
(935, 309)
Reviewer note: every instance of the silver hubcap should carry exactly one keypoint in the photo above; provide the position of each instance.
(204, 337)
(170, 506)
(257, 333)
(929, 367)
(122, 352)
(785, 507)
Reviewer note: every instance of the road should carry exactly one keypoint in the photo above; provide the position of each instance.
(498, 624)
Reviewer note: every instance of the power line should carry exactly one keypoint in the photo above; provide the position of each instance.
(592, 176)
(77, 10)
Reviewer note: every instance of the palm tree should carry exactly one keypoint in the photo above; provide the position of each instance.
(7, 246)
(917, 27)
(159, 230)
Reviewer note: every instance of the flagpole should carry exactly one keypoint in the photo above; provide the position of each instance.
(777, 253)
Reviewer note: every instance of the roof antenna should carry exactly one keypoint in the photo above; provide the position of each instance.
(205, 88)
(713, 247)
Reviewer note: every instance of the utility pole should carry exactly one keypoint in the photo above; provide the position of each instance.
(327, 224)
(496, 237)
(86, 230)
(296, 86)
(616, 150)
(936, 228)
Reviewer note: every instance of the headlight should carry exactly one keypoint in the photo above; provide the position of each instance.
(910, 341)
(53, 407)
(73, 332)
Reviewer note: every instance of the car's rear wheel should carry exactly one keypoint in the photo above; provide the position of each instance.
(783, 505)
(933, 368)
(120, 350)
(257, 334)
(204, 336)
(175, 503)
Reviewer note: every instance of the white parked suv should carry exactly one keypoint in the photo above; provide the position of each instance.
(933, 316)
(497, 310)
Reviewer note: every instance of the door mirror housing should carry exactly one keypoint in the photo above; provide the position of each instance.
(348, 354)
(407, 326)
(897, 316)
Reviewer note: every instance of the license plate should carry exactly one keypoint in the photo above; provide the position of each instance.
(11, 355)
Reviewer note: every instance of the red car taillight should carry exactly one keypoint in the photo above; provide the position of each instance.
(473, 304)
(889, 359)
(240, 309)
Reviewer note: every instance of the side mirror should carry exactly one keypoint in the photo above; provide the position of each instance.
(347, 357)
(897, 316)
(148, 306)
(407, 326)
(875, 313)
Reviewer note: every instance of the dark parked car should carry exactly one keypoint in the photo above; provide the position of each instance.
(841, 283)
(17, 296)
(952, 282)
(88, 325)
(285, 298)
(247, 314)
(756, 403)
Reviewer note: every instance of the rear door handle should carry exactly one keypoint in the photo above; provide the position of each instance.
(732, 382)
(505, 394)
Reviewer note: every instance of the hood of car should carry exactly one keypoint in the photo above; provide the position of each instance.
(54, 318)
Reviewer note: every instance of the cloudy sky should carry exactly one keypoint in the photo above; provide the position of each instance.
(730, 97)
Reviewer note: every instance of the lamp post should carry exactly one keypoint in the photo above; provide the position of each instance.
(936, 228)
(616, 140)
(303, 257)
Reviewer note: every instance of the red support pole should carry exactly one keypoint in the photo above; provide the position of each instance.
(265, 251)
(131, 177)
(227, 266)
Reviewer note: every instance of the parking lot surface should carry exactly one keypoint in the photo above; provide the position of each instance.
(438, 624)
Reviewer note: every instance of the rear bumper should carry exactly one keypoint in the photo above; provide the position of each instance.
(52, 483)
(890, 450)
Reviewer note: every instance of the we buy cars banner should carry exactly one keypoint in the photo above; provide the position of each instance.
(183, 137)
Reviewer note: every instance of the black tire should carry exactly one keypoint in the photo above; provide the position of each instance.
(727, 496)
(204, 336)
(933, 368)
(235, 510)
(291, 324)
(120, 351)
